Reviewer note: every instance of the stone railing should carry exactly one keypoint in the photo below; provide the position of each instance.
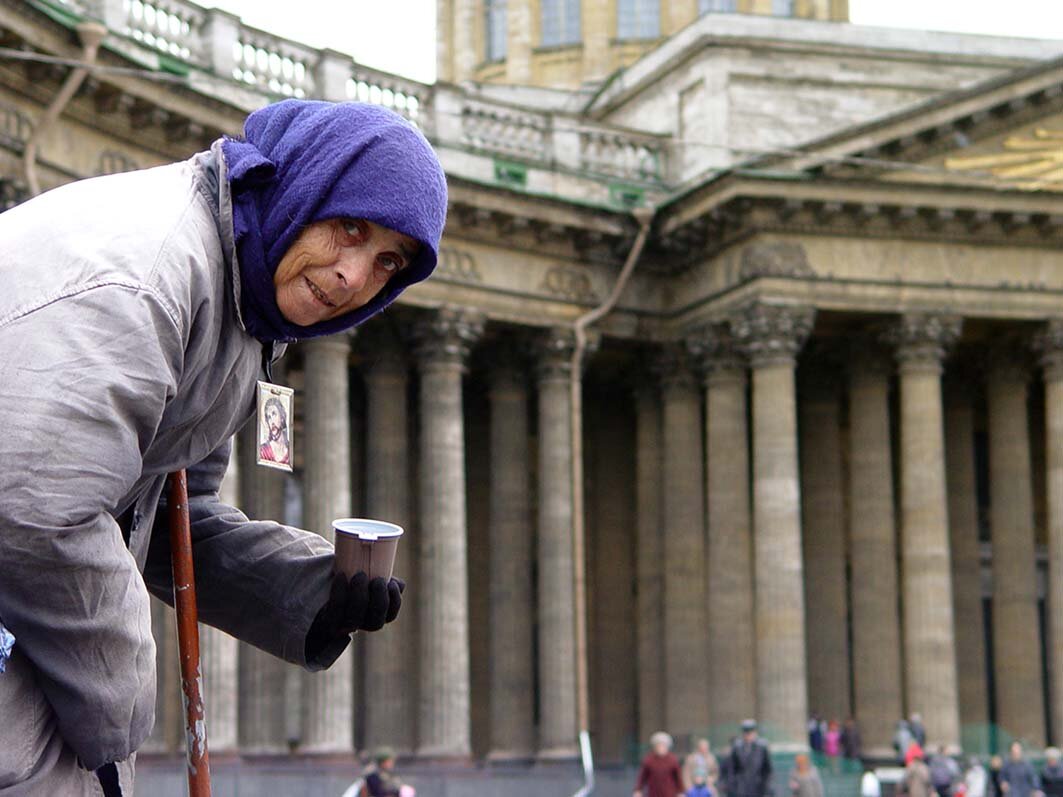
(505, 131)
(402, 95)
(622, 154)
(170, 26)
(274, 64)
(219, 43)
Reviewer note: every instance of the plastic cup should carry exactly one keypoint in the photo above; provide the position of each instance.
(366, 546)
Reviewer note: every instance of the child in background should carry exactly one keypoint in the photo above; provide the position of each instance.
(700, 787)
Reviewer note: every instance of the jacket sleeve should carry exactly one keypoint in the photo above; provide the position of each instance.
(81, 395)
(260, 581)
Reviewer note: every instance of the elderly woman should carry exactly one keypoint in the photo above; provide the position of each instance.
(804, 778)
(659, 774)
(138, 313)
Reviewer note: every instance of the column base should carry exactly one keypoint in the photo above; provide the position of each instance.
(443, 755)
(557, 755)
(510, 757)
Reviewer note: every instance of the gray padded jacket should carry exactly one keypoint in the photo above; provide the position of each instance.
(123, 358)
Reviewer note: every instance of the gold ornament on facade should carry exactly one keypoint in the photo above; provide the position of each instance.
(1031, 162)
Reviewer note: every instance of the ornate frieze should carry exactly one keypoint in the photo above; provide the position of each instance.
(769, 333)
(569, 283)
(774, 259)
(458, 265)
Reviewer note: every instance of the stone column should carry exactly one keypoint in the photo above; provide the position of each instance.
(1016, 632)
(972, 684)
(218, 650)
(389, 703)
(649, 590)
(328, 697)
(823, 524)
(519, 44)
(1051, 345)
(772, 336)
(260, 700)
(466, 51)
(929, 638)
(873, 551)
(511, 592)
(445, 338)
(686, 642)
(732, 665)
(557, 652)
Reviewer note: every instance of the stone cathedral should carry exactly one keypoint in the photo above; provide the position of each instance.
(823, 429)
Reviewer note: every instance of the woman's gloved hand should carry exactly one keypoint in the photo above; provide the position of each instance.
(355, 605)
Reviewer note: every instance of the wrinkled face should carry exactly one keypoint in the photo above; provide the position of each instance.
(336, 266)
(661, 748)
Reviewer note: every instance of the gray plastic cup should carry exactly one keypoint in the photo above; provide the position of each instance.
(366, 546)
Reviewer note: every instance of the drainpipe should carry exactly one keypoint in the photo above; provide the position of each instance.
(91, 35)
(644, 217)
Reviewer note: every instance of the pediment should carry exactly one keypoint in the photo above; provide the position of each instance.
(1003, 134)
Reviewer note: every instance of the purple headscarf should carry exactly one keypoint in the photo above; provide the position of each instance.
(304, 161)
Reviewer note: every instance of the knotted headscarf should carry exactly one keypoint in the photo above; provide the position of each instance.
(304, 161)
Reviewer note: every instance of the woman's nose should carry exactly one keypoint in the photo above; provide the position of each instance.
(353, 270)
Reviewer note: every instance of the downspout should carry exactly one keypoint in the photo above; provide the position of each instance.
(91, 35)
(644, 216)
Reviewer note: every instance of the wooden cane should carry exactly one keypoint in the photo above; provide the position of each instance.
(184, 601)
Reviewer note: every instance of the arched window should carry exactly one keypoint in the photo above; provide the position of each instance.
(717, 6)
(782, 8)
(495, 27)
(559, 22)
(638, 19)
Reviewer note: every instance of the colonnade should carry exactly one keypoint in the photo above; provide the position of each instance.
(787, 555)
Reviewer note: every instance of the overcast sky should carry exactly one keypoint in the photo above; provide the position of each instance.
(399, 35)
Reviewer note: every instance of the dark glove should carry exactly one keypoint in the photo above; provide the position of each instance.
(355, 605)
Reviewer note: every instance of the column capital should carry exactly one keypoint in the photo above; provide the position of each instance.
(553, 353)
(506, 361)
(716, 354)
(1008, 360)
(868, 358)
(923, 339)
(446, 336)
(675, 367)
(771, 334)
(1048, 344)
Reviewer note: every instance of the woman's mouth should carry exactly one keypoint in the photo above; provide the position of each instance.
(319, 294)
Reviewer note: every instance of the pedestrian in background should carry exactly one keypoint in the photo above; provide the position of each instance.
(1051, 774)
(804, 779)
(915, 723)
(902, 740)
(1018, 778)
(852, 743)
(916, 782)
(659, 774)
(976, 779)
(749, 765)
(702, 762)
(944, 773)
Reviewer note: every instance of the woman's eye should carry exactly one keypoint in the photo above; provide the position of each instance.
(390, 264)
(353, 228)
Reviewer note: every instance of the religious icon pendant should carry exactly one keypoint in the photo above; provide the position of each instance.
(274, 417)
